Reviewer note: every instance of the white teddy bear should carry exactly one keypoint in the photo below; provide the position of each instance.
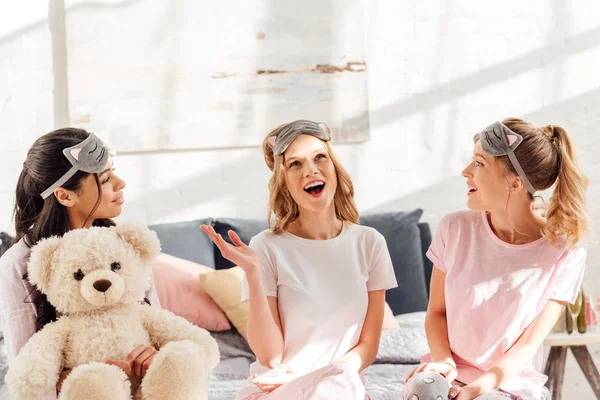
(96, 279)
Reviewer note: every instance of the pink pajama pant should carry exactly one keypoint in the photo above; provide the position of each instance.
(335, 381)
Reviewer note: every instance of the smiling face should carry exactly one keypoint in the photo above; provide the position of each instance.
(310, 174)
(488, 186)
(111, 197)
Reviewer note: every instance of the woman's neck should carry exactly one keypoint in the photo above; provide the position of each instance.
(77, 220)
(317, 225)
(517, 224)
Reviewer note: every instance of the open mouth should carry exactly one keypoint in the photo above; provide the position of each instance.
(314, 188)
(472, 189)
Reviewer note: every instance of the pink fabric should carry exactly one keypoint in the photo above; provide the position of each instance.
(17, 311)
(494, 290)
(389, 322)
(180, 292)
(334, 381)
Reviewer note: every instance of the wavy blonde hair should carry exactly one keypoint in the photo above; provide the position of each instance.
(283, 206)
(546, 155)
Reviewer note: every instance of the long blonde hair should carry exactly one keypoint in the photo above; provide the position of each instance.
(547, 158)
(283, 206)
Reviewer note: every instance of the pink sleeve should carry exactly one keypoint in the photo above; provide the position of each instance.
(17, 311)
(569, 275)
(268, 272)
(438, 245)
(16, 306)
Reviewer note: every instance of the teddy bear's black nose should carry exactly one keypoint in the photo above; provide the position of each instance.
(102, 285)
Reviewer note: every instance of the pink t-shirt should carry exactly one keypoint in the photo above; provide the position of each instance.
(494, 290)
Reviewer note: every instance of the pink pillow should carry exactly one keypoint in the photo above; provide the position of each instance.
(389, 321)
(180, 292)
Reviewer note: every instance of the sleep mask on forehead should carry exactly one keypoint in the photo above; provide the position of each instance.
(498, 140)
(284, 136)
(91, 156)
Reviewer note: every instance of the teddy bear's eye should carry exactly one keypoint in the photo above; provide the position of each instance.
(78, 275)
(115, 266)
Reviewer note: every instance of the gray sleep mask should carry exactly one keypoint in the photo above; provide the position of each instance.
(91, 156)
(284, 136)
(498, 140)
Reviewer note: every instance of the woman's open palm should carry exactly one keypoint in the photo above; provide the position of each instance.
(239, 253)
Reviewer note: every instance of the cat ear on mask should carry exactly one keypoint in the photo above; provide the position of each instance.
(75, 153)
(324, 127)
(271, 140)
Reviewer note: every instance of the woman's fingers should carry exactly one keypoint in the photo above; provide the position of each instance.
(268, 383)
(412, 373)
(235, 238)
(147, 364)
(421, 368)
(454, 391)
(124, 365)
(210, 232)
(266, 388)
(135, 353)
(143, 361)
(284, 367)
(228, 251)
(452, 375)
(215, 237)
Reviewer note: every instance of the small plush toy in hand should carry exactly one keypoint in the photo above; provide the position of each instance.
(96, 279)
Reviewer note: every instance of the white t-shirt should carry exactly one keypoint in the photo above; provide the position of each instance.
(322, 290)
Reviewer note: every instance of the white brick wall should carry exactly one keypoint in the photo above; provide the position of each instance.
(438, 71)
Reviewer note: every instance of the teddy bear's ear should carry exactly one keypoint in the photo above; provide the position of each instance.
(39, 265)
(145, 243)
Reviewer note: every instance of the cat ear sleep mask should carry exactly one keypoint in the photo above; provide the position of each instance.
(284, 136)
(498, 140)
(91, 156)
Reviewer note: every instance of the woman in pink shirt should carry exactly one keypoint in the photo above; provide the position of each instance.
(502, 273)
(54, 195)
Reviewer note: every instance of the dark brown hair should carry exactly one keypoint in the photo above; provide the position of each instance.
(37, 218)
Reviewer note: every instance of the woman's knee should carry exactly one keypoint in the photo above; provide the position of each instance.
(344, 375)
(342, 368)
(426, 386)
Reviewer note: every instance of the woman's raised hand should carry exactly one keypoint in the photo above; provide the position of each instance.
(239, 253)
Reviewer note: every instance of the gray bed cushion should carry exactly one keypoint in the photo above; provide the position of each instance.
(186, 240)
(425, 243)
(403, 237)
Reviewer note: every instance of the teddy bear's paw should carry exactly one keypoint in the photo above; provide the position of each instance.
(30, 378)
(96, 381)
(178, 372)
